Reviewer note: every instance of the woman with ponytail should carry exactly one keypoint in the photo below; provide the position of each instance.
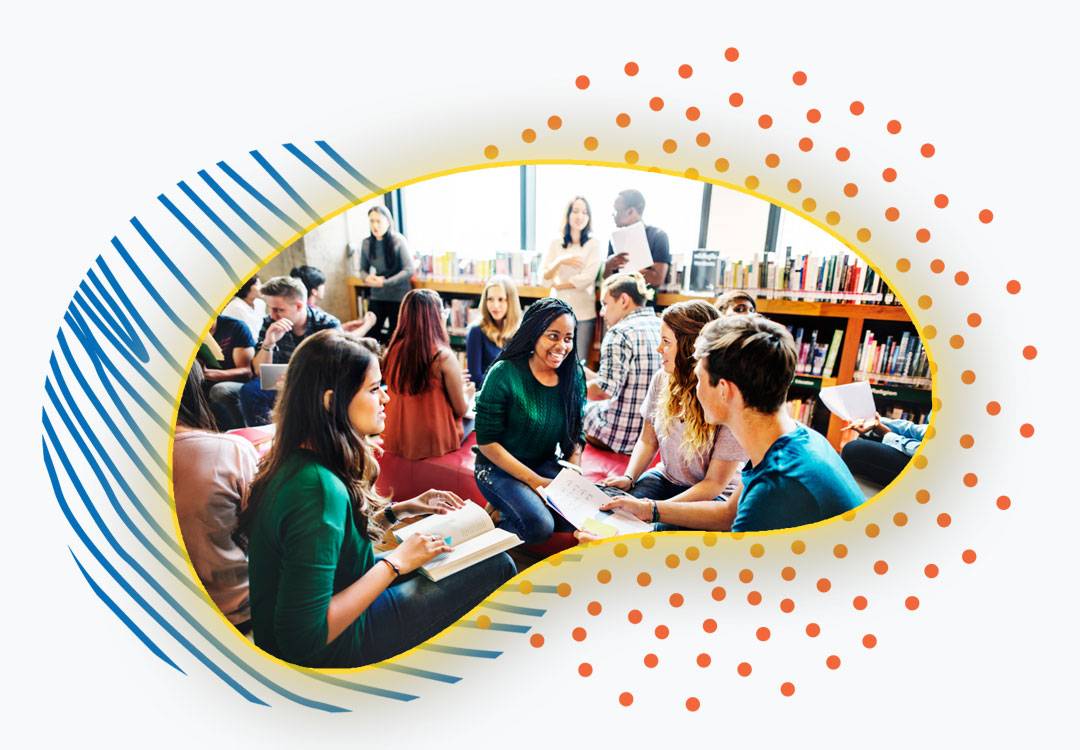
(319, 596)
(528, 415)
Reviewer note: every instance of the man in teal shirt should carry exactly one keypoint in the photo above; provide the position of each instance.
(745, 365)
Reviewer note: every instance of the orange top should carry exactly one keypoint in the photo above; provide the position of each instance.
(424, 425)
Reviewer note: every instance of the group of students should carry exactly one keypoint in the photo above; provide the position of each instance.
(284, 546)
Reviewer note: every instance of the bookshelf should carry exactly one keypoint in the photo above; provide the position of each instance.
(853, 318)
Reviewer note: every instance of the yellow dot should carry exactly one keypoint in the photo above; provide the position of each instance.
(929, 332)
(708, 539)
(722, 164)
(648, 541)
(930, 432)
(525, 587)
(483, 622)
(849, 516)
(591, 143)
(528, 135)
(670, 146)
(925, 301)
(935, 404)
(832, 218)
(691, 173)
(631, 157)
(757, 550)
(798, 546)
(809, 205)
(919, 462)
(737, 535)
(692, 553)
(491, 151)
(752, 182)
(863, 235)
(555, 561)
(620, 550)
(563, 590)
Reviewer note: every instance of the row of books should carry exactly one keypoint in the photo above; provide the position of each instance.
(902, 357)
(817, 351)
(520, 265)
(915, 417)
(461, 314)
(802, 410)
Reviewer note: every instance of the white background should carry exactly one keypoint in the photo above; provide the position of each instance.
(107, 104)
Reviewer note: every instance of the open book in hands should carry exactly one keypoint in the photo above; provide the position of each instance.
(578, 500)
(469, 531)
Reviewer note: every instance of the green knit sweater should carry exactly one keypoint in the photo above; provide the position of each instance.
(515, 410)
(305, 547)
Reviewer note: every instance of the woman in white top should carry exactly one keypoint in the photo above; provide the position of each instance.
(571, 265)
(248, 306)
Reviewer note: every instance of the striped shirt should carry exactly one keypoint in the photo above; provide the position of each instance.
(628, 359)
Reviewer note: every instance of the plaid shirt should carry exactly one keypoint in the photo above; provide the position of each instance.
(628, 359)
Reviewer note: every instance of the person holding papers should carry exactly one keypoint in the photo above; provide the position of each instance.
(698, 459)
(319, 596)
(528, 414)
(745, 364)
(628, 209)
(884, 449)
(571, 265)
(428, 392)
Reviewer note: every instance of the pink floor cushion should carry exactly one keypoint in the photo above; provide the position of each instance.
(401, 478)
(597, 464)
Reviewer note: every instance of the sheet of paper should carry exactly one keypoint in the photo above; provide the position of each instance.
(632, 240)
(850, 401)
(456, 527)
(578, 501)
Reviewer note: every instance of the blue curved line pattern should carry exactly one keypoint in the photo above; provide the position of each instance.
(110, 390)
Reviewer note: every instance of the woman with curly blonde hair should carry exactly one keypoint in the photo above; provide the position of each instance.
(698, 461)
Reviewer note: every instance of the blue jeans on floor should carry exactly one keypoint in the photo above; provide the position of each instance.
(522, 511)
(414, 609)
(255, 403)
(654, 486)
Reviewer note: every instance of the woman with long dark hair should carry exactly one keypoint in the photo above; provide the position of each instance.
(385, 267)
(500, 314)
(211, 475)
(529, 414)
(428, 392)
(571, 265)
(319, 597)
(698, 461)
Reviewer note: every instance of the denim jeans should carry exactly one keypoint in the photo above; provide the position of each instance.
(654, 486)
(873, 461)
(414, 609)
(225, 403)
(255, 403)
(521, 509)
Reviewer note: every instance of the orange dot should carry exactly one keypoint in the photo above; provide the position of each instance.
(622, 120)
(993, 408)
(703, 139)
(709, 626)
(563, 590)
(788, 573)
(676, 600)
(823, 585)
(941, 200)
(925, 301)
(746, 575)
(662, 631)
(923, 235)
(525, 587)
(851, 190)
(968, 556)
(798, 546)
(869, 640)
(763, 634)
(859, 602)
(787, 689)
(744, 669)
(809, 205)
(857, 108)
(626, 699)
(704, 660)
(491, 151)
(1027, 430)
(927, 150)
(889, 174)
(772, 161)
(644, 579)
(961, 278)
(736, 99)
(956, 341)
(685, 71)
(813, 630)
(893, 126)
(731, 54)
(1030, 352)
(937, 265)
(656, 104)
(943, 520)
(931, 571)
(765, 122)
(832, 218)
(754, 598)
(967, 441)
(591, 143)
(892, 213)
(787, 606)
(631, 157)
(881, 567)
(721, 164)
(536, 640)
(813, 116)
(794, 185)
(1013, 287)
(719, 593)
(631, 68)
(863, 235)
(806, 144)
(594, 608)
(903, 265)
(670, 146)
(919, 462)
(1004, 502)
(692, 704)
(986, 216)
(970, 480)
(872, 530)
(912, 603)
(840, 551)
(582, 82)
(634, 616)
(798, 78)
(554, 122)
(974, 320)
(842, 154)
(692, 113)
(603, 576)
(528, 135)
(900, 519)
(709, 574)
(483, 622)
(833, 662)
(578, 634)
(584, 669)
(672, 561)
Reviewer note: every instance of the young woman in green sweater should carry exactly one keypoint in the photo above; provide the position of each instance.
(319, 596)
(529, 414)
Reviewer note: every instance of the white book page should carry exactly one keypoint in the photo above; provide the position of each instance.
(456, 527)
(850, 401)
(578, 501)
(632, 240)
(472, 551)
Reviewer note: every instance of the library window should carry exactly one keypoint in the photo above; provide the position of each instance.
(474, 214)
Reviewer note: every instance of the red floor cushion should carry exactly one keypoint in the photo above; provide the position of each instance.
(401, 478)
